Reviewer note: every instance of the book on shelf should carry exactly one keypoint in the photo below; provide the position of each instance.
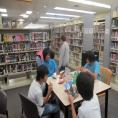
(114, 22)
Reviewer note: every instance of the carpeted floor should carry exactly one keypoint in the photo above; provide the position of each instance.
(14, 105)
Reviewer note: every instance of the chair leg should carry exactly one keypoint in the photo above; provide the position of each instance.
(7, 114)
(22, 114)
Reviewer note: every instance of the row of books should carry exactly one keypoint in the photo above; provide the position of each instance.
(17, 37)
(40, 36)
(17, 57)
(75, 42)
(114, 56)
(114, 45)
(115, 22)
(115, 34)
(99, 35)
(12, 47)
(98, 42)
(17, 68)
(75, 35)
(75, 49)
(73, 29)
(98, 47)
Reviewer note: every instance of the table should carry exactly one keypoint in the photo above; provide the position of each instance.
(59, 91)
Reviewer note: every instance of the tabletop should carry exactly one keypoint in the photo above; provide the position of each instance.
(59, 90)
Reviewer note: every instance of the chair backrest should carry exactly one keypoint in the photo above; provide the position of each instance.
(106, 75)
(29, 108)
(3, 102)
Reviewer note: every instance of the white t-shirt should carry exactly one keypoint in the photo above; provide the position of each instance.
(90, 109)
(36, 96)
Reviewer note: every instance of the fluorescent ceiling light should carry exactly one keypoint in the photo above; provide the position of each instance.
(92, 3)
(4, 15)
(20, 20)
(3, 10)
(66, 15)
(74, 10)
(55, 18)
(35, 26)
(24, 15)
(28, 12)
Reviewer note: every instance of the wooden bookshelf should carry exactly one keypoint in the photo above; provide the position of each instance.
(114, 47)
(18, 50)
(74, 35)
(98, 40)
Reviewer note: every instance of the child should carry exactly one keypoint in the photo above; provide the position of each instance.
(52, 57)
(90, 107)
(39, 58)
(50, 63)
(92, 66)
(35, 94)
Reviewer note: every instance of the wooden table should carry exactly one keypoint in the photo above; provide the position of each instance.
(59, 91)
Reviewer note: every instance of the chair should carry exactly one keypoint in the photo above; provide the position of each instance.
(106, 75)
(29, 108)
(3, 103)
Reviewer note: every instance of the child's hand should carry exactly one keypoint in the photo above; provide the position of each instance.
(50, 88)
(70, 98)
(79, 68)
(82, 69)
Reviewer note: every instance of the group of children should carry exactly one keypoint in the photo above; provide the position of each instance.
(46, 67)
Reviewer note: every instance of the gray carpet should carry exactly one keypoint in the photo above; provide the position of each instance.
(14, 105)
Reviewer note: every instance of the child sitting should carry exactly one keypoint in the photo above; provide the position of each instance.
(50, 63)
(90, 107)
(35, 94)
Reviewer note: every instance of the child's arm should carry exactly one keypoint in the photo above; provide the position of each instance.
(84, 69)
(70, 98)
(45, 99)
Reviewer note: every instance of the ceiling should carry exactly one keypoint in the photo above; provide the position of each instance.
(40, 7)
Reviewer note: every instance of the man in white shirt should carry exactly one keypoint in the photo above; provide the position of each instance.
(63, 54)
(90, 107)
(35, 94)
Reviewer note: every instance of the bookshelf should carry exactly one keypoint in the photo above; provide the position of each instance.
(114, 47)
(18, 50)
(74, 35)
(98, 40)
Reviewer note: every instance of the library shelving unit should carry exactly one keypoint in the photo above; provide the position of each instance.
(74, 35)
(114, 46)
(18, 49)
(98, 40)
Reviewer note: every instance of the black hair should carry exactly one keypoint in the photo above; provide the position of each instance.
(63, 38)
(52, 54)
(90, 56)
(46, 52)
(42, 70)
(85, 85)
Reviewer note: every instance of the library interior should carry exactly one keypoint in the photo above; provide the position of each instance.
(58, 59)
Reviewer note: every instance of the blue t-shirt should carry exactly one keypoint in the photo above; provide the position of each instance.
(95, 68)
(52, 66)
